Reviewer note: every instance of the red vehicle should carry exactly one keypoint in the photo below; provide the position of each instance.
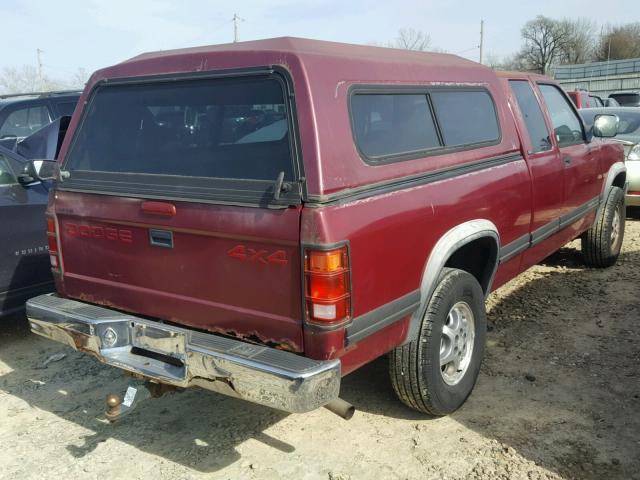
(583, 99)
(369, 208)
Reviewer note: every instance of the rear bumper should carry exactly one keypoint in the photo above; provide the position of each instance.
(185, 358)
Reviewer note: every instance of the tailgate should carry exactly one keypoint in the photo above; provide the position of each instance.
(227, 269)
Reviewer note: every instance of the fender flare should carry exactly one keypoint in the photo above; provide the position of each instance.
(451, 241)
(615, 170)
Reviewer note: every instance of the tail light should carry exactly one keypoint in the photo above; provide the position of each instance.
(327, 286)
(52, 239)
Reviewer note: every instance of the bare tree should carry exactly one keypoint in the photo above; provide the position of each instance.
(23, 79)
(619, 43)
(512, 63)
(78, 79)
(544, 40)
(410, 39)
(26, 79)
(580, 43)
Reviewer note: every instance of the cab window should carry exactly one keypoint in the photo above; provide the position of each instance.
(566, 124)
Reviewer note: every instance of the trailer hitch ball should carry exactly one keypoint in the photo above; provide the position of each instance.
(113, 406)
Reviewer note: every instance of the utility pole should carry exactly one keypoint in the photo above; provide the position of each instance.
(40, 77)
(606, 75)
(236, 20)
(481, 38)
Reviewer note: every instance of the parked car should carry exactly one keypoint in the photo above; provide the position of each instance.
(23, 114)
(626, 99)
(629, 136)
(610, 102)
(583, 99)
(596, 100)
(399, 189)
(25, 268)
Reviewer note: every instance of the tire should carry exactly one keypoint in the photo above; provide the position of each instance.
(601, 244)
(416, 374)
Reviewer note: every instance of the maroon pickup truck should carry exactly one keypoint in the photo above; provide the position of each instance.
(262, 218)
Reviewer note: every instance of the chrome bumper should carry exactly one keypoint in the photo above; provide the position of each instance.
(185, 358)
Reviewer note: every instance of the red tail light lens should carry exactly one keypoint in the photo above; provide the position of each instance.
(327, 286)
(52, 239)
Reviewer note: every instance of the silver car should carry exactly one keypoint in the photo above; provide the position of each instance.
(629, 136)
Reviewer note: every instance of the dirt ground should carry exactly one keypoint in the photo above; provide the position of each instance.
(558, 397)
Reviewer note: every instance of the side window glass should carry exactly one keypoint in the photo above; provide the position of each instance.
(532, 113)
(566, 125)
(466, 118)
(396, 124)
(7, 177)
(25, 121)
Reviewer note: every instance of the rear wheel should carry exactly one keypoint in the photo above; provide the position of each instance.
(601, 244)
(437, 372)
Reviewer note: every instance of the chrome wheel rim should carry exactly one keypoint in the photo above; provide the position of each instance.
(615, 228)
(456, 343)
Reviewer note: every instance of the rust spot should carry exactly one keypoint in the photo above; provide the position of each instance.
(251, 337)
(91, 299)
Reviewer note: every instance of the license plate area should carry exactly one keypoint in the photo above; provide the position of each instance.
(159, 340)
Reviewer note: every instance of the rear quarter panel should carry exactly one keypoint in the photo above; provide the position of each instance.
(391, 237)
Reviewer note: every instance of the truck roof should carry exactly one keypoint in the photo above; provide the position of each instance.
(521, 75)
(304, 48)
(341, 56)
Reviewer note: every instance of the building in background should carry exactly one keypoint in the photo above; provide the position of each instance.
(600, 78)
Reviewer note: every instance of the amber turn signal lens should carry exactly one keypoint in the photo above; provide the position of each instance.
(326, 262)
(327, 286)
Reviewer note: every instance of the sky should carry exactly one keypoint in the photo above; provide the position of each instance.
(91, 34)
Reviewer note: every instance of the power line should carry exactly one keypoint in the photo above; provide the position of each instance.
(466, 50)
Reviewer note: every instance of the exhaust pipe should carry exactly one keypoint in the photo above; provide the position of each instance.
(341, 408)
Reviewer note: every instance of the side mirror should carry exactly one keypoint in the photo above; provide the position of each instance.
(605, 126)
(35, 171)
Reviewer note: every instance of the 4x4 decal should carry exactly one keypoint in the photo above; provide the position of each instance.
(245, 254)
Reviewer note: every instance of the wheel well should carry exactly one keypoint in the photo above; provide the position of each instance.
(620, 180)
(479, 258)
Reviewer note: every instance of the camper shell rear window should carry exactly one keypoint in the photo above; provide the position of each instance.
(206, 139)
(391, 124)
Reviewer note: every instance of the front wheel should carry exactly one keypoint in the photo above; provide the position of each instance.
(601, 244)
(436, 372)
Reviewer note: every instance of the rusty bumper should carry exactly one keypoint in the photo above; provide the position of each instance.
(184, 358)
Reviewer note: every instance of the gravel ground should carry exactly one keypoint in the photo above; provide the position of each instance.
(558, 397)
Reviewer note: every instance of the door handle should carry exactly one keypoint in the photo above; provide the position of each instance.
(161, 238)
(567, 160)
